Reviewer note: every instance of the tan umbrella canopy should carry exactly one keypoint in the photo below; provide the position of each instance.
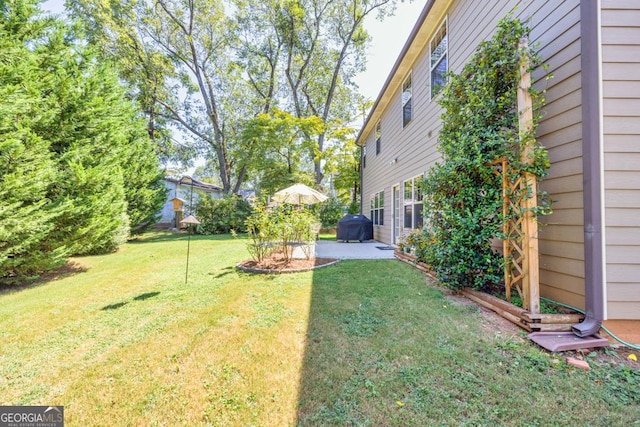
(299, 194)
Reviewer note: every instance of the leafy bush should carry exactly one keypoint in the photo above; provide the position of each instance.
(480, 125)
(262, 233)
(220, 216)
(293, 226)
(277, 229)
(417, 242)
(354, 207)
(331, 211)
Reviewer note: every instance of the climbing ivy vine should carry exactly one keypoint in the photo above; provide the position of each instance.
(463, 204)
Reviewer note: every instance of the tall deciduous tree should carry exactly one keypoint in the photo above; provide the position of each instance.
(325, 45)
(206, 93)
(222, 67)
(279, 142)
(116, 29)
(343, 164)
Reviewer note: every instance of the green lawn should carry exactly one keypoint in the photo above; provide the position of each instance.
(121, 340)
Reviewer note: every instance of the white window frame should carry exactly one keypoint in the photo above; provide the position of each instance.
(407, 98)
(364, 156)
(377, 208)
(378, 133)
(433, 65)
(413, 200)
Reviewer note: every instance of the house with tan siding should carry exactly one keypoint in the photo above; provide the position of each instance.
(590, 246)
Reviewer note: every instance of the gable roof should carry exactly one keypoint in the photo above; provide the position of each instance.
(199, 185)
(428, 21)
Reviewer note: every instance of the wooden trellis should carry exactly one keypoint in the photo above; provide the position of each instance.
(520, 244)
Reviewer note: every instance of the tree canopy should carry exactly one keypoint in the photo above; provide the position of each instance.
(210, 68)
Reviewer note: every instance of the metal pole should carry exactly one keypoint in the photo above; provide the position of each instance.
(186, 273)
(191, 199)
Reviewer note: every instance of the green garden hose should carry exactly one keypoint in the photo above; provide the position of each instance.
(633, 346)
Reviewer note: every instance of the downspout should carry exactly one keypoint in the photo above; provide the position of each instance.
(592, 161)
(361, 175)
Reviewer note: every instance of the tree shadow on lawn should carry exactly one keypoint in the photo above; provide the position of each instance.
(145, 296)
(382, 347)
(114, 306)
(226, 271)
(71, 268)
(351, 318)
(140, 297)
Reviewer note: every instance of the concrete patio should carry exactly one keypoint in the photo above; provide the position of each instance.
(352, 250)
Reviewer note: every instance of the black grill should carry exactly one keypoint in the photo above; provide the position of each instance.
(354, 227)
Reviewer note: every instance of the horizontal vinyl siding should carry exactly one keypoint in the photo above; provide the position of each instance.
(406, 151)
(415, 146)
(556, 27)
(556, 30)
(621, 127)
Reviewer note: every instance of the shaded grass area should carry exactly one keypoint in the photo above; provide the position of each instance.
(362, 342)
(384, 348)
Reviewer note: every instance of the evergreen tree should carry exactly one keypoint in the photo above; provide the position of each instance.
(144, 187)
(109, 169)
(28, 171)
(77, 166)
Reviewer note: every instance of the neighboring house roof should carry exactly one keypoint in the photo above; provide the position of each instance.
(199, 185)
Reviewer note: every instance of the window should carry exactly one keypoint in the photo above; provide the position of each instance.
(406, 101)
(439, 64)
(377, 208)
(378, 138)
(413, 206)
(364, 156)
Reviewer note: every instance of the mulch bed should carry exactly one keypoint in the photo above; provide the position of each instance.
(277, 263)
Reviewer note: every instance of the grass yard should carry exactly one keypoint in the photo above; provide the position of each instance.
(121, 340)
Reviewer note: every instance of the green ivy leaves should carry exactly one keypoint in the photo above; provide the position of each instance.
(463, 207)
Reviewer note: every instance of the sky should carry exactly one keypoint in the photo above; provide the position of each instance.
(387, 39)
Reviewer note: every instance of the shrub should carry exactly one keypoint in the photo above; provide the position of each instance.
(331, 211)
(277, 229)
(262, 233)
(418, 243)
(293, 226)
(220, 216)
(480, 125)
(354, 207)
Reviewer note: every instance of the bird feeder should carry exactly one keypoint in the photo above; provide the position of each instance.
(178, 208)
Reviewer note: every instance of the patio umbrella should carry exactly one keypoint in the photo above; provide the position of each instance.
(299, 194)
